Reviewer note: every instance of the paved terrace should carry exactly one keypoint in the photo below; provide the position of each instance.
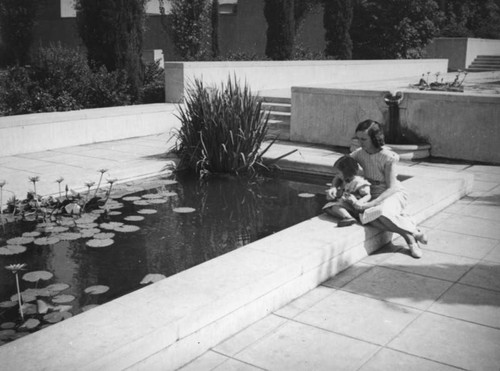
(388, 311)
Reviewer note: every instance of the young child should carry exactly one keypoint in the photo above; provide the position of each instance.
(347, 189)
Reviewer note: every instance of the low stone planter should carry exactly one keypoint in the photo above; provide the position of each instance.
(405, 151)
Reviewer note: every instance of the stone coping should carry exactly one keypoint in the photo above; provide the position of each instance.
(173, 321)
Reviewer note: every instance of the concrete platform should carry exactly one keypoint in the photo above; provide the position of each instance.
(239, 311)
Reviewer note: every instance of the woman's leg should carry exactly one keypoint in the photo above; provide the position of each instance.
(386, 224)
(338, 211)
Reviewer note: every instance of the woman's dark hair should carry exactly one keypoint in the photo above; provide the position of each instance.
(374, 131)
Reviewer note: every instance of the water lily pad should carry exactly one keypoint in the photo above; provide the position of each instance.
(306, 195)
(141, 203)
(45, 225)
(96, 290)
(113, 205)
(7, 334)
(104, 235)
(133, 218)
(31, 234)
(157, 201)
(63, 298)
(20, 240)
(100, 242)
(26, 297)
(57, 287)
(12, 249)
(169, 182)
(7, 325)
(147, 211)
(152, 195)
(67, 222)
(30, 324)
(37, 292)
(69, 236)
(114, 213)
(88, 225)
(37, 275)
(98, 211)
(55, 317)
(127, 228)
(183, 210)
(8, 303)
(59, 229)
(29, 308)
(89, 307)
(41, 241)
(131, 198)
(152, 277)
(110, 225)
(88, 233)
(169, 194)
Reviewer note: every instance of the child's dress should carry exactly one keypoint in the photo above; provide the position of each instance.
(353, 187)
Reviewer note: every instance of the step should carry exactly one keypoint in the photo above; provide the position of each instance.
(283, 116)
(482, 69)
(276, 100)
(488, 56)
(280, 107)
(483, 64)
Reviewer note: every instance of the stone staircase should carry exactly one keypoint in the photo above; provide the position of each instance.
(485, 63)
(279, 109)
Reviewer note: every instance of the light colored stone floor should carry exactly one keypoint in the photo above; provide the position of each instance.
(390, 311)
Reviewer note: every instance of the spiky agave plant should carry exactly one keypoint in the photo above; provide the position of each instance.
(222, 129)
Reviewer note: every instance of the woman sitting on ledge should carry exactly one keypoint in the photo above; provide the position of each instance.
(385, 209)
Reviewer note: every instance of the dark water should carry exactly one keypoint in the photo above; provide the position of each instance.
(229, 213)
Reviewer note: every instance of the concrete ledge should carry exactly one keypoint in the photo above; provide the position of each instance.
(43, 131)
(169, 323)
(263, 75)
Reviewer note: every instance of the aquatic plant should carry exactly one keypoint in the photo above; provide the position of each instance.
(2, 183)
(222, 129)
(102, 171)
(15, 268)
(34, 180)
(59, 181)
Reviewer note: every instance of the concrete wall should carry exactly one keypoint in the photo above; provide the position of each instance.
(44, 131)
(457, 125)
(461, 51)
(263, 75)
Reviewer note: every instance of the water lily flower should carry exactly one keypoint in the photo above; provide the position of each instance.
(59, 180)
(34, 179)
(102, 171)
(14, 268)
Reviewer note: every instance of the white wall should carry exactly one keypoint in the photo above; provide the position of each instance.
(44, 131)
(264, 75)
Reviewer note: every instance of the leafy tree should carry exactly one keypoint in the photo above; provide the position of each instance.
(280, 28)
(472, 18)
(17, 18)
(383, 29)
(191, 27)
(112, 31)
(337, 20)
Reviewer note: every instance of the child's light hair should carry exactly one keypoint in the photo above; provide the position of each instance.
(347, 166)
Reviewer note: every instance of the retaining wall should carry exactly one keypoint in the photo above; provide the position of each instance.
(457, 125)
(264, 75)
(44, 131)
(461, 51)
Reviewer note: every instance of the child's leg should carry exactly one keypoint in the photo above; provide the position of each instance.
(338, 211)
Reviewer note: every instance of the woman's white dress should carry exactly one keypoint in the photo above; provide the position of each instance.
(393, 207)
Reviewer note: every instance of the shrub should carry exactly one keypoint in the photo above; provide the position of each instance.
(60, 80)
(222, 129)
(153, 90)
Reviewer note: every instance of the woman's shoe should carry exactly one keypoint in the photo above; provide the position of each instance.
(421, 237)
(346, 222)
(415, 250)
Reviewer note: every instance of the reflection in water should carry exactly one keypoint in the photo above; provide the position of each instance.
(229, 213)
